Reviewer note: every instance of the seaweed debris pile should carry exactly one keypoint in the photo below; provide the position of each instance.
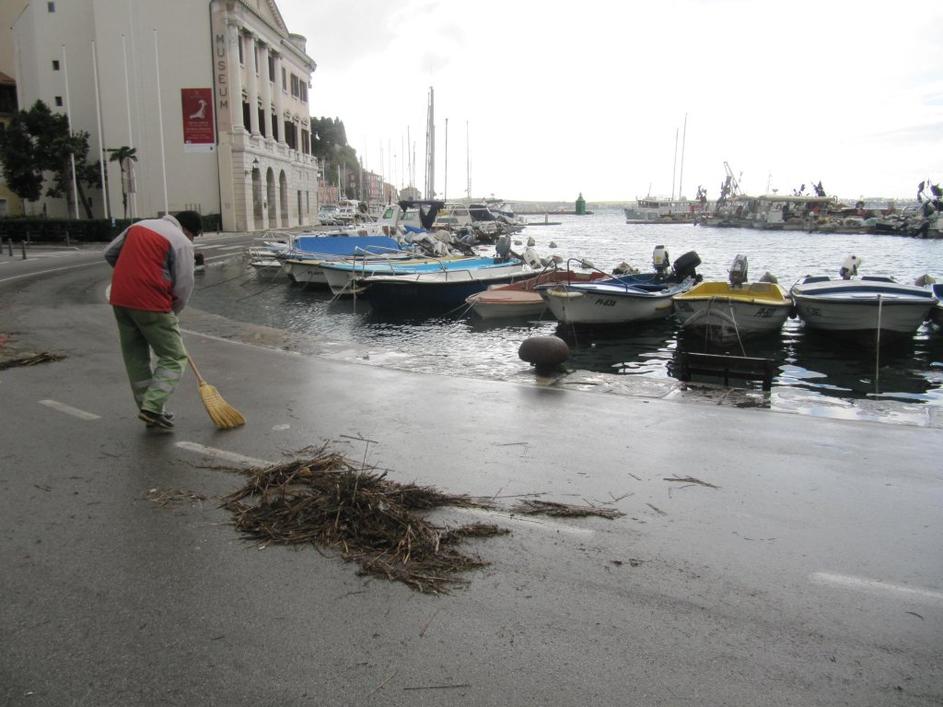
(331, 503)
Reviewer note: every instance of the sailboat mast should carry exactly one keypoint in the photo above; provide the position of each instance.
(684, 135)
(445, 188)
(674, 166)
(467, 162)
(430, 146)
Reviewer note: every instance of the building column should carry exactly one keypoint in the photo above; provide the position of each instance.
(235, 78)
(266, 91)
(279, 99)
(253, 86)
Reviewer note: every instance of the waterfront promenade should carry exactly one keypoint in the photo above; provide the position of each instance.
(813, 574)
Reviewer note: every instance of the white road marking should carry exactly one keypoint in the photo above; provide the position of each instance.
(232, 247)
(280, 428)
(863, 584)
(69, 410)
(535, 523)
(44, 272)
(209, 247)
(223, 454)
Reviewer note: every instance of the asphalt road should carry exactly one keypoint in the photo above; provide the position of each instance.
(813, 574)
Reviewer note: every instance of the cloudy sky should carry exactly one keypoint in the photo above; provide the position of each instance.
(562, 98)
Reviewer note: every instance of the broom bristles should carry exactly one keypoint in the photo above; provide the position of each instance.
(223, 415)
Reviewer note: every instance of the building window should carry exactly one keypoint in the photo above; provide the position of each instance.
(305, 142)
(284, 80)
(294, 86)
(262, 120)
(255, 53)
(246, 122)
(55, 64)
(271, 68)
(303, 91)
(242, 59)
(275, 125)
(290, 135)
(59, 101)
(51, 6)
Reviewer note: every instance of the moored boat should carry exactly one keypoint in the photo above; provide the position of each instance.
(734, 309)
(521, 299)
(869, 304)
(623, 299)
(442, 289)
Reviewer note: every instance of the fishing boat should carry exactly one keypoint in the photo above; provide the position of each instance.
(308, 253)
(733, 309)
(623, 299)
(443, 289)
(869, 304)
(347, 277)
(521, 299)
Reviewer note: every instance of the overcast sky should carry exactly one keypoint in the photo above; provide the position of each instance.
(562, 98)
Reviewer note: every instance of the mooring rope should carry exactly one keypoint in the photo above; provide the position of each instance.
(877, 348)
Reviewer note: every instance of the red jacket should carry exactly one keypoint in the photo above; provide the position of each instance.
(153, 262)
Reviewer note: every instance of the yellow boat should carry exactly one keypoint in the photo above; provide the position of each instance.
(736, 308)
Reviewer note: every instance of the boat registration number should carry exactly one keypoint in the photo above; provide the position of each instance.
(605, 302)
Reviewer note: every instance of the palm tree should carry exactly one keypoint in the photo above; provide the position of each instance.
(124, 156)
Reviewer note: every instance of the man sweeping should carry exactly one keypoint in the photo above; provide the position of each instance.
(152, 282)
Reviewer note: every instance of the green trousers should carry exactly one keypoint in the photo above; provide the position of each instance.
(141, 333)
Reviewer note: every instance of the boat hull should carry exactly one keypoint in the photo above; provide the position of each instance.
(307, 272)
(439, 291)
(863, 305)
(753, 309)
(600, 304)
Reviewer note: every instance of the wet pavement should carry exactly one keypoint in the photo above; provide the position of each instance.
(813, 574)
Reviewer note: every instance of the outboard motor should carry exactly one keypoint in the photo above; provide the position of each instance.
(531, 258)
(660, 259)
(849, 267)
(738, 271)
(686, 265)
(502, 248)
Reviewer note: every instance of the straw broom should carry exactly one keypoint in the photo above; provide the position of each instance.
(223, 415)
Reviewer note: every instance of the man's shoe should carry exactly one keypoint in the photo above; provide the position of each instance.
(157, 419)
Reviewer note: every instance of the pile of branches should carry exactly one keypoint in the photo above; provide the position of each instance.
(564, 510)
(30, 360)
(329, 502)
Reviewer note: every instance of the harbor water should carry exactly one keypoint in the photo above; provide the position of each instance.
(816, 373)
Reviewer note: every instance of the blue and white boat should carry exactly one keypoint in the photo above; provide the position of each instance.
(309, 252)
(346, 277)
(868, 305)
(442, 288)
(624, 299)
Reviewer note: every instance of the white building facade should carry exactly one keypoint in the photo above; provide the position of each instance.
(211, 95)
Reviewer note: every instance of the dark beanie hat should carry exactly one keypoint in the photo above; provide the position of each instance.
(191, 221)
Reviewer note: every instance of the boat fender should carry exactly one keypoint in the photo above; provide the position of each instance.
(545, 353)
(849, 267)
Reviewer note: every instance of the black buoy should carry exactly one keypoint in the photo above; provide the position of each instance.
(546, 353)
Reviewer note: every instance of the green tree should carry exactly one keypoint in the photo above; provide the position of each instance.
(124, 156)
(332, 150)
(38, 141)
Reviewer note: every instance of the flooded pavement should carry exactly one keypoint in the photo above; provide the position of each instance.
(815, 374)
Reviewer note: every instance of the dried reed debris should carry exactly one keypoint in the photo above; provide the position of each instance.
(330, 502)
(564, 510)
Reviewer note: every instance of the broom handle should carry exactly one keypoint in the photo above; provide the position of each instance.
(196, 371)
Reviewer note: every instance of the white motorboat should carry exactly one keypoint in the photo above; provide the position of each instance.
(625, 299)
(866, 304)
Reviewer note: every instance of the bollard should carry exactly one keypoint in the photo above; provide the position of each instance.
(23, 246)
(10, 246)
(68, 243)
